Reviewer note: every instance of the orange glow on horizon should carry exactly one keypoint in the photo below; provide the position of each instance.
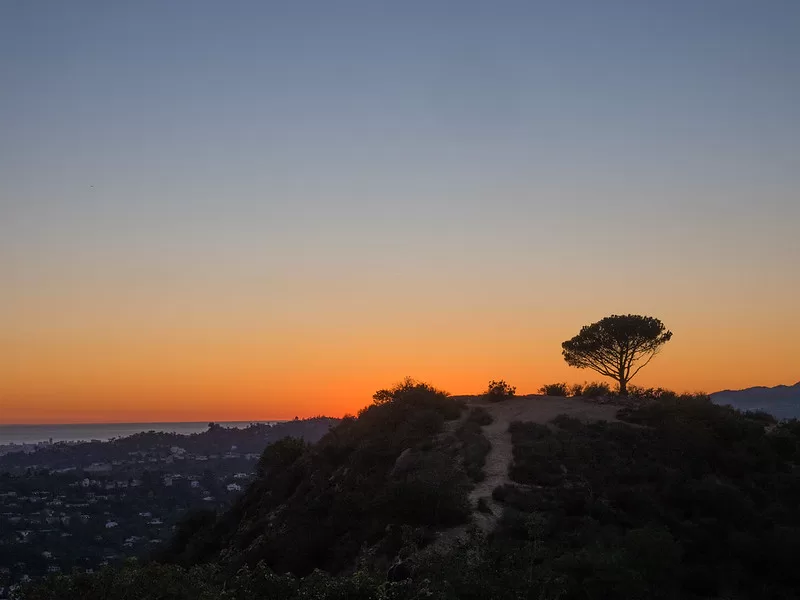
(192, 378)
(132, 353)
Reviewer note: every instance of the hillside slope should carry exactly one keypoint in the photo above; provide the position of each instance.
(389, 478)
(668, 498)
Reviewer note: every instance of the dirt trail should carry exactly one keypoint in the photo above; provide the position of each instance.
(538, 409)
(532, 408)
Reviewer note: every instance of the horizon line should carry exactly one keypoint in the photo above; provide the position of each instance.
(206, 421)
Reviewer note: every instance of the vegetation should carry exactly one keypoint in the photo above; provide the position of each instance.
(483, 506)
(208, 582)
(320, 506)
(679, 499)
(497, 391)
(618, 346)
(554, 389)
(408, 386)
(475, 446)
(575, 390)
(699, 501)
(595, 389)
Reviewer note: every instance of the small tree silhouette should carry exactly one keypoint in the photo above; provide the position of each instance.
(615, 345)
(405, 388)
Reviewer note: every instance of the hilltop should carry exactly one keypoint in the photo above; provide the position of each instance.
(426, 495)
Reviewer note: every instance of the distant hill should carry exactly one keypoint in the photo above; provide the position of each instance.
(782, 401)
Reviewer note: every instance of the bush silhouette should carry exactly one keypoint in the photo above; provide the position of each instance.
(498, 391)
(474, 445)
(576, 389)
(554, 389)
(596, 389)
(406, 390)
(279, 455)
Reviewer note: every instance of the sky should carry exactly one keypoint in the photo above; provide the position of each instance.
(261, 210)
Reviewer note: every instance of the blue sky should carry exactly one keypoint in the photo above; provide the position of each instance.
(366, 112)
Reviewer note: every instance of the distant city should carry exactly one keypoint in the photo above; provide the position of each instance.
(68, 505)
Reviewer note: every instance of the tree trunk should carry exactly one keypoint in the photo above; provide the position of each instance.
(623, 387)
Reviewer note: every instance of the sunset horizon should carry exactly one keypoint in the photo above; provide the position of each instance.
(309, 404)
(273, 211)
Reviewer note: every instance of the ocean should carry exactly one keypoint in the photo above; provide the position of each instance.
(30, 434)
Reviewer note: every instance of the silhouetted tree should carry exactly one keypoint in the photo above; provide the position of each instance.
(615, 345)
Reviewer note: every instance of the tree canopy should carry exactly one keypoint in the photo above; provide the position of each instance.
(618, 346)
(407, 388)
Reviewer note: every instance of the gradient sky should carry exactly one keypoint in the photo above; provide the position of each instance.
(244, 210)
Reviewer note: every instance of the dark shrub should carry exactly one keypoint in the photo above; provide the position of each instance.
(761, 416)
(280, 455)
(407, 389)
(480, 416)
(474, 445)
(499, 493)
(483, 506)
(431, 490)
(596, 389)
(554, 389)
(576, 389)
(567, 422)
(191, 534)
(499, 390)
(641, 393)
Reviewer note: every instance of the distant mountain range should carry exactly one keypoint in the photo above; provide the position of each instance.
(782, 401)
